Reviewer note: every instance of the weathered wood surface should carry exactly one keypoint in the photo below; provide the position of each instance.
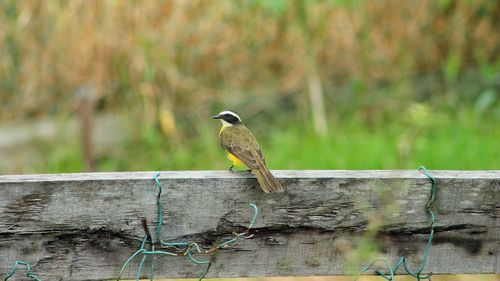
(84, 226)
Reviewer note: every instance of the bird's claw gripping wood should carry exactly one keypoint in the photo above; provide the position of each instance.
(231, 169)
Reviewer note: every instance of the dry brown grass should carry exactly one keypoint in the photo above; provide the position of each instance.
(184, 57)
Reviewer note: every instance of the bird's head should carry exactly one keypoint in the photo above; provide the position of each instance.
(228, 118)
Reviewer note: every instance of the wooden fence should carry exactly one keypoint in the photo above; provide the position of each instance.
(85, 226)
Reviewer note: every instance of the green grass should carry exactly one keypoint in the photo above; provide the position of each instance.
(442, 142)
(462, 145)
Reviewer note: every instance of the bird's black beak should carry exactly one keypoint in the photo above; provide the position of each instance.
(217, 116)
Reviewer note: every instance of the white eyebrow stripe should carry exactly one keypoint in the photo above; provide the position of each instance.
(230, 113)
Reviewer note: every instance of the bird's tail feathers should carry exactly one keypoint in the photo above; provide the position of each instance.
(267, 181)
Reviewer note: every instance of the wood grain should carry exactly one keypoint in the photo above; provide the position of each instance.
(84, 226)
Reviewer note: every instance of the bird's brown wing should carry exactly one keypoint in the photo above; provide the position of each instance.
(239, 141)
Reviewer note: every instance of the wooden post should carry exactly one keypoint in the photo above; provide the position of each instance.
(85, 226)
(87, 100)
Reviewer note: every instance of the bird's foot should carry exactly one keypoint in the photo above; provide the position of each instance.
(231, 169)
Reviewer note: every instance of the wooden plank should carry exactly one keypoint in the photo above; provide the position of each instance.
(85, 226)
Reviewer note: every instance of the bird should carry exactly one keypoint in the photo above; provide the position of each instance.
(244, 151)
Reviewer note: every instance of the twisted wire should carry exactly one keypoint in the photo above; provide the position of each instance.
(403, 260)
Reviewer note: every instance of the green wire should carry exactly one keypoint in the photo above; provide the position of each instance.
(159, 207)
(403, 260)
(195, 248)
(28, 271)
(190, 247)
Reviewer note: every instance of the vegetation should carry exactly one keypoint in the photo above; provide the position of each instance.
(333, 84)
(323, 84)
(447, 144)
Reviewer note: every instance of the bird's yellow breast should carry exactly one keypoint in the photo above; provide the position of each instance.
(236, 161)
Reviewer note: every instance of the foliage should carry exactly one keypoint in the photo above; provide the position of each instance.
(190, 58)
(436, 141)
(405, 83)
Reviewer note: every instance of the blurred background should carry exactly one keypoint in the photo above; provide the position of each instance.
(128, 85)
(339, 84)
